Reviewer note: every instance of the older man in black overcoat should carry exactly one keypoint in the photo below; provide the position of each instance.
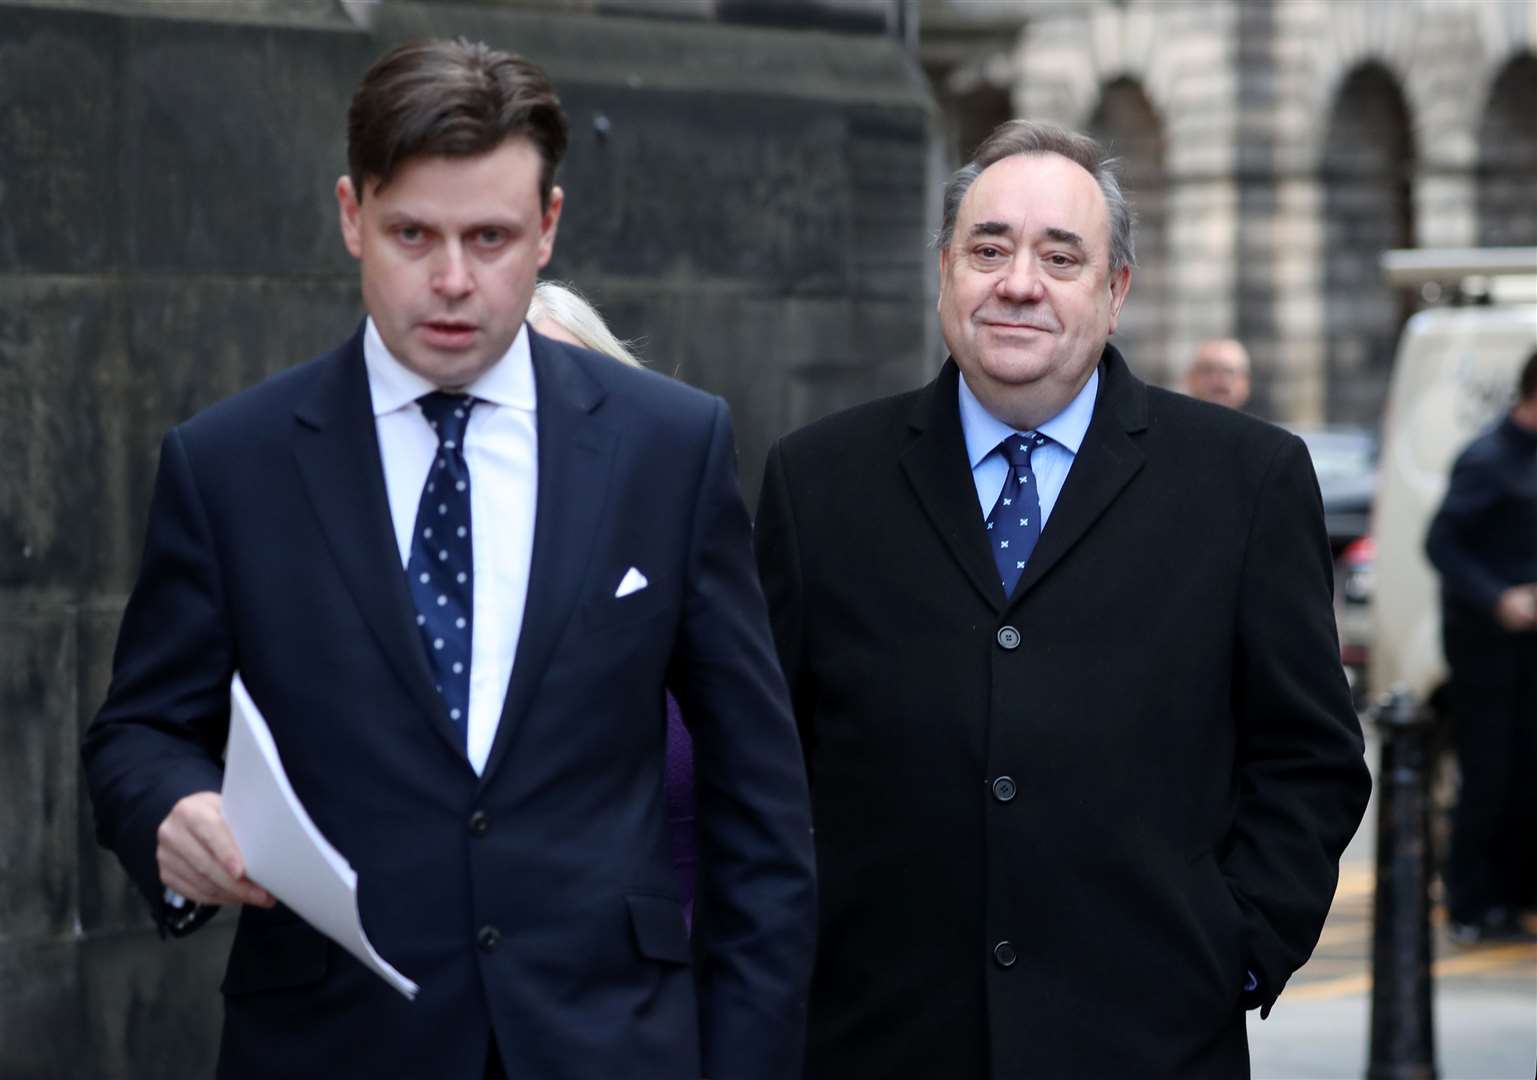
(1061, 648)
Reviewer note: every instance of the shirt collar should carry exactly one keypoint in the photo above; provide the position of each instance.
(984, 431)
(393, 386)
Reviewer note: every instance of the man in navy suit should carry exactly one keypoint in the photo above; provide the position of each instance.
(457, 565)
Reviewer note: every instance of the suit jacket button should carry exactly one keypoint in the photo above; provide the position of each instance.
(480, 823)
(1004, 954)
(1004, 789)
(1008, 638)
(488, 938)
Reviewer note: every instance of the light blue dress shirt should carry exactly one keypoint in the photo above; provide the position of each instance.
(1051, 462)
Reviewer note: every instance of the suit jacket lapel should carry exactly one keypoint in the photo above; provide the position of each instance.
(1107, 460)
(939, 471)
(575, 459)
(336, 446)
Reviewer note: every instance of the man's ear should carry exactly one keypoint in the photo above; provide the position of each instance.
(348, 210)
(1120, 285)
(549, 223)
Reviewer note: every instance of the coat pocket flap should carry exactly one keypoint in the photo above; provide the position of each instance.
(660, 933)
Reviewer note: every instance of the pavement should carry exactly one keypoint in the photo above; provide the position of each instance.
(1485, 998)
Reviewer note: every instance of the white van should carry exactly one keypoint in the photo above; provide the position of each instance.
(1454, 375)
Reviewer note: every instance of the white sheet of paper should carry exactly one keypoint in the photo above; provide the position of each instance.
(284, 852)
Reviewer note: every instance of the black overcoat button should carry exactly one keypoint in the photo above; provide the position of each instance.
(488, 938)
(480, 823)
(1004, 954)
(1004, 789)
(1008, 638)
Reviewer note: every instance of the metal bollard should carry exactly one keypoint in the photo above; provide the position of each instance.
(1403, 1029)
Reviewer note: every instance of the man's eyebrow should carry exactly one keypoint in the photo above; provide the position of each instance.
(1052, 233)
(1064, 236)
(990, 228)
(394, 218)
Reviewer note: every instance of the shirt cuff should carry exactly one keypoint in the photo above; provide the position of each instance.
(177, 912)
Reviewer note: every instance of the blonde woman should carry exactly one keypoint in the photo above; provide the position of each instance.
(560, 312)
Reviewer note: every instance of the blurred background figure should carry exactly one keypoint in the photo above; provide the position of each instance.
(1220, 373)
(560, 312)
(1483, 541)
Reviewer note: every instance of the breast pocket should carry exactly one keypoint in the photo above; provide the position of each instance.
(606, 610)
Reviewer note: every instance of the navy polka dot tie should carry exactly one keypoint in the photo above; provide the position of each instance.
(441, 569)
(1015, 523)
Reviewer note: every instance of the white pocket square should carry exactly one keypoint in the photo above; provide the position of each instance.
(632, 582)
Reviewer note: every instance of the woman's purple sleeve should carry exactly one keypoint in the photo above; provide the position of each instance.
(680, 804)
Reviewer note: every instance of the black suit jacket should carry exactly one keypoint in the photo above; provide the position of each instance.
(270, 550)
(1483, 538)
(1055, 831)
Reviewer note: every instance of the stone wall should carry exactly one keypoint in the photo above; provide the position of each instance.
(749, 202)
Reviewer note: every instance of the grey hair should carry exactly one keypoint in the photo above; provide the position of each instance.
(562, 305)
(1037, 137)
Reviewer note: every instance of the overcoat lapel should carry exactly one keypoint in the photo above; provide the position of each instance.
(336, 446)
(575, 461)
(938, 469)
(1107, 460)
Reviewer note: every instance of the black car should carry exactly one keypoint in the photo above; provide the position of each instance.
(1345, 460)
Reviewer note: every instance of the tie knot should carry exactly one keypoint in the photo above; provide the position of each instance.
(448, 414)
(1018, 448)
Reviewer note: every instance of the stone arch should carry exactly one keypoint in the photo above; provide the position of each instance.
(1066, 63)
(1125, 122)
(1365, 172)
(971, 113)
(1506, 194)
(1346, 38)
(971, 72)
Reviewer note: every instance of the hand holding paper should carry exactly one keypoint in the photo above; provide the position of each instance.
(198, 857)
(284, 852)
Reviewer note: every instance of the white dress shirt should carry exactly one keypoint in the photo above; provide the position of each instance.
(501, 449)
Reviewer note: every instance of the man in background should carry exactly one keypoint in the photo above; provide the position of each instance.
(1483, 541)
(1220, 373)
(458, 565)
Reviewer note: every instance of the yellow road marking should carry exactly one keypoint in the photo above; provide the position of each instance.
(1329, 988)
(1355, 881)
(1467, 964)
(1345, 934)
(1486, 959)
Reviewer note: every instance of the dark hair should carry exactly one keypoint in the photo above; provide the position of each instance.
(1527, 386)
(1035, 137)
(451, 99)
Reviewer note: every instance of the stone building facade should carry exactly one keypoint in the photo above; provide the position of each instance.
(1273, 149)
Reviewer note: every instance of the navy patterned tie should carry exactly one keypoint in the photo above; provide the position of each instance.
(1015, 523)
(441, 569)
